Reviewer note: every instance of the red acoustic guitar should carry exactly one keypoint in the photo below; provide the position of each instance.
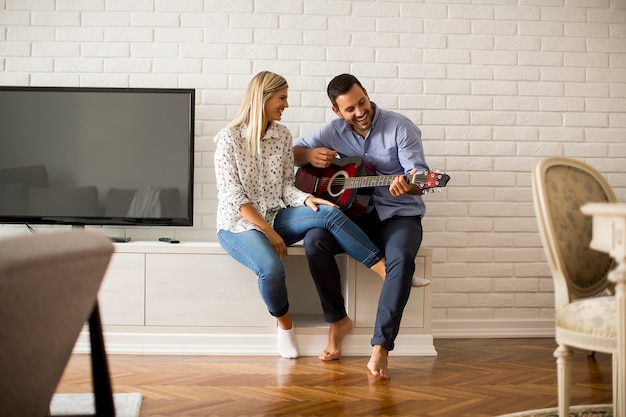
(346, 182)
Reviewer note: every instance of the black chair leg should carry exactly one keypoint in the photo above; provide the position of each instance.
(103, 391)
(100, 377)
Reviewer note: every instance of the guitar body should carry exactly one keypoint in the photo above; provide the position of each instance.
(325, 183)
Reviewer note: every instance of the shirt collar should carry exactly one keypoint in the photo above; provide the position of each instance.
(376, 115)
(272, 131)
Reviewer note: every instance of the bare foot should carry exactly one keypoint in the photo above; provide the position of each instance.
(378, 363)
(338, 330)
(379, 268)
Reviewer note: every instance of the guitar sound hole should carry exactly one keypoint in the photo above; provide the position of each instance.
(335, 188)
(336, 183)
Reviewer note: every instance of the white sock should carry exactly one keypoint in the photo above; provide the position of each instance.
(287, 344)
(419, 282)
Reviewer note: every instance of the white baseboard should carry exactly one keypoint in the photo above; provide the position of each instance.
(468, 329)
(228, 343)
(311, 341)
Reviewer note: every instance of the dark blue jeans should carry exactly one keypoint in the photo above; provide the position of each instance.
(399, 238)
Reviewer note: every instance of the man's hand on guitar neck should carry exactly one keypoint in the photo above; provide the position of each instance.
(318, 157)
(399, 186)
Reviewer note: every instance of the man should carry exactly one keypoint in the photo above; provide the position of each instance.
(392, 144)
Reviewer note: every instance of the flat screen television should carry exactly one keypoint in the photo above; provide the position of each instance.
(96, 156)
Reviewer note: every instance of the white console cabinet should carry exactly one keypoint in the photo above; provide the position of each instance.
(192, 298)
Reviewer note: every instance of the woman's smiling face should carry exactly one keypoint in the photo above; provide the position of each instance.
(275, 105)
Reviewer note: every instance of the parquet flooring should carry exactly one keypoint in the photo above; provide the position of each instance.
(469, 377)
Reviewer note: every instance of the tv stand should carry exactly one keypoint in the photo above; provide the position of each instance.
(193, 298)
(119, 239)
(114, 239)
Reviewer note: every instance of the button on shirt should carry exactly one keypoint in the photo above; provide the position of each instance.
(265, 180)
(393, 146)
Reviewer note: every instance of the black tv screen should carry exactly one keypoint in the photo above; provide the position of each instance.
(96, 156)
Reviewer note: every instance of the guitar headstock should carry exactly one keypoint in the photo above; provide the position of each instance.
(429, 180)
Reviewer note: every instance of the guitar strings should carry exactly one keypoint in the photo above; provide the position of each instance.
(343, 180)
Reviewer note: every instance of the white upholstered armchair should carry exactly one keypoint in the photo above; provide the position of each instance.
(585, 309)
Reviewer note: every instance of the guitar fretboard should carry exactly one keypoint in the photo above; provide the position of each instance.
(376, 180)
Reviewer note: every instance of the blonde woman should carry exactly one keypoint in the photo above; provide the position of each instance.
(261, 212)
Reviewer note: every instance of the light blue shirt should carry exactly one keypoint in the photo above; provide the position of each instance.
(393, 146)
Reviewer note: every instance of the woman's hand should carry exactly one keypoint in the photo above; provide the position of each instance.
(277, 242)
(249, 213)
(314, 201)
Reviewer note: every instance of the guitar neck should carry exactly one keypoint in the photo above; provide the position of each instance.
(378, 180)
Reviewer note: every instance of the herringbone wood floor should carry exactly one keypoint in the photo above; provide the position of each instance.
(470, 377)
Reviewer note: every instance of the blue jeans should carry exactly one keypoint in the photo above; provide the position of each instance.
(253, 250)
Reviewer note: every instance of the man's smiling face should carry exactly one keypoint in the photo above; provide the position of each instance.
(355, 108)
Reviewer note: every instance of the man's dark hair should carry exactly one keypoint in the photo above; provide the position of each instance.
(339, 85)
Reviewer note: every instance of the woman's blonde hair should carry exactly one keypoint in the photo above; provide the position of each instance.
(252, 110)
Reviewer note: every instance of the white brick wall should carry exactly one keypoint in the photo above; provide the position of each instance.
(493, 84)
